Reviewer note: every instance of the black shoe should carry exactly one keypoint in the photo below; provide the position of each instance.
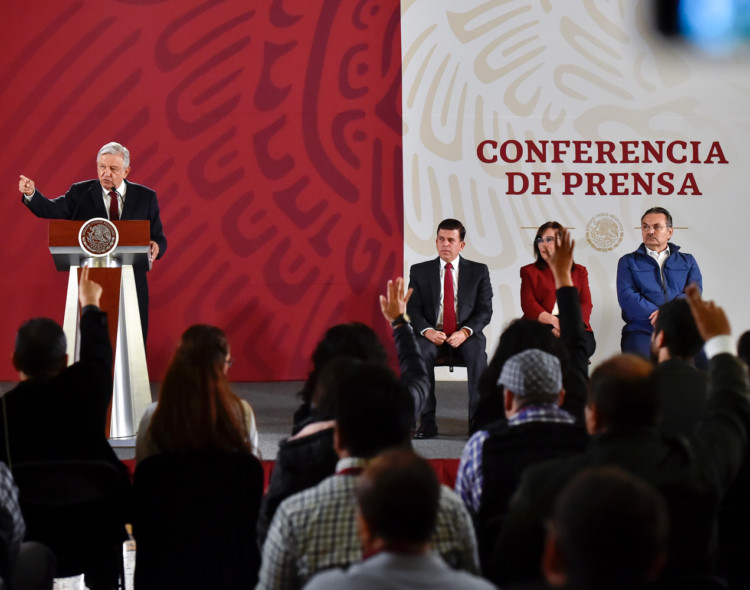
(428, 430)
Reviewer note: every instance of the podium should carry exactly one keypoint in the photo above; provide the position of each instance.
(131, 391)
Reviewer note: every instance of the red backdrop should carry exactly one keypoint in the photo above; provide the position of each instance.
(271, 131)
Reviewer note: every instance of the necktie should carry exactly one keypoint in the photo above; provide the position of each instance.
(449, 305)
(114, 208)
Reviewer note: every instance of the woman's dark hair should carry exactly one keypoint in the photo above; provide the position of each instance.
(197, 410)
(521, 334)
(355, 340)
(539, 261)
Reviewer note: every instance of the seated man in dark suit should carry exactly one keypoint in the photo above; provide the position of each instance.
(449, 309)
(111, 197)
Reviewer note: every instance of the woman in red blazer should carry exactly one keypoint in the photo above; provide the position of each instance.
(538, 295)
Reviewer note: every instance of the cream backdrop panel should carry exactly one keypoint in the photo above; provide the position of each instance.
(571, 70)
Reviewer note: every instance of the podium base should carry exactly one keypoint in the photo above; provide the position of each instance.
(131, 392)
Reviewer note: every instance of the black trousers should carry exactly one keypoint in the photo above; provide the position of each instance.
(473, 355)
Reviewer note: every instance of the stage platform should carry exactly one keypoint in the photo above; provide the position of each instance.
(274, 404)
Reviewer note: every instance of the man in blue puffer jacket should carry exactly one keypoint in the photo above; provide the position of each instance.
(655, 273)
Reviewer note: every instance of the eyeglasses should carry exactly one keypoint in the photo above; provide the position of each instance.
(657, 228)
(547, 240)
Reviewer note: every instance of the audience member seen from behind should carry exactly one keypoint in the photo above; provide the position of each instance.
(536, 428)
(315, 529)
(59, 412)
(308, 457)
(197, 410)
(355, 340)
(734, 515)
(520, 335)
(397, 497)
(693, 472)
(682, 388)
(538, 291)
(608, 532)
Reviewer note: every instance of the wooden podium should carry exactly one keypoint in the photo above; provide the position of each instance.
(114, 272)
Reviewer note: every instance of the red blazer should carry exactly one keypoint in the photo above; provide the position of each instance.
(538, 292)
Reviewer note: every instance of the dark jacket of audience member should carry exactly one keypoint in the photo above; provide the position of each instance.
(683, 391)
(59, 413)
(682, 388)
(734, 516)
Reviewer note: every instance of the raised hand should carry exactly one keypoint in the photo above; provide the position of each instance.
(709, 317)
(393, 303)
(89, 292)
(561, 260)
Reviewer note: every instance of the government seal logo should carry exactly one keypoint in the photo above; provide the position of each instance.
(604, 232)
(98, 236)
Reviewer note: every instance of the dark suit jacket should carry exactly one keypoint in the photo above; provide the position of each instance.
(84, 201)
(63, 418)
(683, 393)
(474, 305)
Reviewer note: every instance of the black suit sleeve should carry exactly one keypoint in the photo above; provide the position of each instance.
(157, 230)
(96, 360)
(419, 303)
(720, 439)
(413, 369)
(572, 335)
(481, 312)
(62, 207)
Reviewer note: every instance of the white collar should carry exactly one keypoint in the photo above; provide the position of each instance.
(454, 263)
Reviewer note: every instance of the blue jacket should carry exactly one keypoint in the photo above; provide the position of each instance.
(640, 291)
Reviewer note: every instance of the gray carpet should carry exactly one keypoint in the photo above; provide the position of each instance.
(274, 404)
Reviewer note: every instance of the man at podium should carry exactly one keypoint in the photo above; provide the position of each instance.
(111, 197)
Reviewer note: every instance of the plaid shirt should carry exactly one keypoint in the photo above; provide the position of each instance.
(12, 526)
(469, 480)
(316, 530)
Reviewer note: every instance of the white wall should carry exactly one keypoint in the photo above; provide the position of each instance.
(569, 70)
